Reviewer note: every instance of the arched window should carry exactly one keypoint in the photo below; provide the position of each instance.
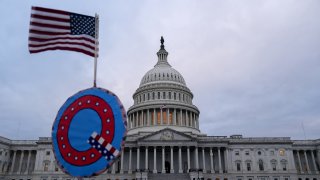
(238, 165)
(274, 164)
(260, 162)
(248, 164)
(284, 164)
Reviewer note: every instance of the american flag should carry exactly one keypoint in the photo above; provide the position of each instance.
(52, 29)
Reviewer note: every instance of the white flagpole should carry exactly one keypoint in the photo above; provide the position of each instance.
(96, 49)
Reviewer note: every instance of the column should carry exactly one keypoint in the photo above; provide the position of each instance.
(291, 163)
(142, 118)
(148, 118)
(137, 120)
(130, 156)
(138, 157)
(180, 161)
(300, 166)
(13, 160)
(168, 111)
(211, 160)
(188, 155)
(203, 161)
(180, 117)
(161, 118)
(197, 158)
(129, 122)
(227, 159)
(306, 158)
(121, 162)
(197, 121)
(314, 162)
(191, 119)
(154, 117)
(113, 170)
(146, 163)
(20, 163)
(175, 116)
(187, 118)
(194, 120)
(318, 155)
(155, 160)
(163, 165)
(219, 156)
(171, 163)
(28, 162)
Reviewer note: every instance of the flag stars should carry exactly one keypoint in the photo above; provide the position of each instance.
(81, 24)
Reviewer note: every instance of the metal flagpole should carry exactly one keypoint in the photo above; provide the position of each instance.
(96, 49)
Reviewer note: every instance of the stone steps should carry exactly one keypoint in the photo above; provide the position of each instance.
(175, 176)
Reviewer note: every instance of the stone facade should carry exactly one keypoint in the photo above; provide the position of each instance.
(164, 142)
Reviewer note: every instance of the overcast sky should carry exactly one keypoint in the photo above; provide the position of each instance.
(253, 66)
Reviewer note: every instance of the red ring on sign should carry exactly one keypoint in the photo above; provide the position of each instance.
(82, 158)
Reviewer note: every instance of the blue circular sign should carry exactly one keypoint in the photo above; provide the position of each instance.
(88, 132)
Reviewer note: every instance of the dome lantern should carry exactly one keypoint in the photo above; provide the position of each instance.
(162, 55)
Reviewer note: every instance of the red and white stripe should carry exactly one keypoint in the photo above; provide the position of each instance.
(105, 144)
(50, 30)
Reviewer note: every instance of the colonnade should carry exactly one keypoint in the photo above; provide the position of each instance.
(305, 164)
(162, 151)
(163, 116)
(19, 170)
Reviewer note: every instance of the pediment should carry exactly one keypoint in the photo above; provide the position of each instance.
(167, 135)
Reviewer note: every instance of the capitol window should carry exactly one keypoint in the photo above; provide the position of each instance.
(271, 153)
(174, 96)
(164, 95)
(0, 153)
(158, 95)
(169, 95)
(284, 165)
(260, 163)
(48, 153)
(248, 166)
(237, 153)
(238, 165)
(247, 153)
(152, 95)
(274, 165)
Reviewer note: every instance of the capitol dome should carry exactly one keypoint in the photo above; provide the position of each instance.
(163, 100)
(162, 72)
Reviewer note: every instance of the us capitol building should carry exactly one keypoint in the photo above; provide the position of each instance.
(164, 142)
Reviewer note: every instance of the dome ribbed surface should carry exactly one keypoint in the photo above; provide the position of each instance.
(162, 73)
